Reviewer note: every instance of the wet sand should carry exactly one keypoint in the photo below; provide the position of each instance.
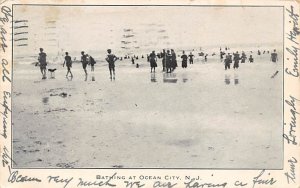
(199, 117)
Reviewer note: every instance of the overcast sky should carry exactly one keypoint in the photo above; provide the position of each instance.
(99, 28)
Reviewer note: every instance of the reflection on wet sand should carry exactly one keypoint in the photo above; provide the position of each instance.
(153, 77)
(227, 79)
(236, 79)
(169, 78)
(184, 78)
(93, 78)
(112, 78)
(69, 78)
(52, 74)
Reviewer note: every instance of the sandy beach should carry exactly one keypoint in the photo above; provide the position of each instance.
(199, 117)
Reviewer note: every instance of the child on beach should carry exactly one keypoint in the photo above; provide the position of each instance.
(68, 62)
(84, 61)
(42, 62)
(111, 59)
(251, 60)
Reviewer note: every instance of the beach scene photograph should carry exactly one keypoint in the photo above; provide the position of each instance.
(147, 87)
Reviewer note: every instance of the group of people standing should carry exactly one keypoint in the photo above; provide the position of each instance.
(169, 61)
(85, 60)
(184, 58)
(89, 60)
(237, 58)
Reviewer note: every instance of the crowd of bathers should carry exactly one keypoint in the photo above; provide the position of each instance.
(169, 60)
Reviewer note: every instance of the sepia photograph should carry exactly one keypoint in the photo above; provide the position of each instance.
(147, 86)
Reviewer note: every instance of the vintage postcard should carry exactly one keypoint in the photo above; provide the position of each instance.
(174, 94)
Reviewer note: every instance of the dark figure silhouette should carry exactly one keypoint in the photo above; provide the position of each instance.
(191, 58)
(236, 60)
(227, 62)
(84, 62)
(164, 60)
(43, 62)
(184, 60)
(68, 62)
(174, 61)
(169, 61)
(111, 59)
(274, 56)
(92, 63)
(153, 60)
(251, 60)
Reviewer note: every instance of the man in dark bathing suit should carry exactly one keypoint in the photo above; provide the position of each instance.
(42, 62)
(68, 62)
(84, 62)
(111, 59)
